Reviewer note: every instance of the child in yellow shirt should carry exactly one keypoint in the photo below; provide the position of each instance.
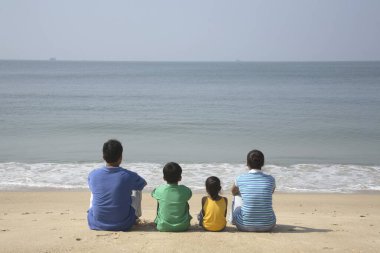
(214, 207)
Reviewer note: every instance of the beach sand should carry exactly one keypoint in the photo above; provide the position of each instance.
(56, 222)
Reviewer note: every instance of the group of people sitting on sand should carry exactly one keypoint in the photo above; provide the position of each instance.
(116, 197)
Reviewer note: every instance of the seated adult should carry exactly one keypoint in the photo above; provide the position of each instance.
(115, 192)
(252, 204)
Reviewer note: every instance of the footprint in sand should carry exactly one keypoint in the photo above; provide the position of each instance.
(109, 234)
(26, 213)
(4, 230)
(114, 235)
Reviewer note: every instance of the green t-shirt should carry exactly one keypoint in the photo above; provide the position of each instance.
(173, 209)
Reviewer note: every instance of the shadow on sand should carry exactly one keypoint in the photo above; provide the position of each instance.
(280, 228)
(151, 227)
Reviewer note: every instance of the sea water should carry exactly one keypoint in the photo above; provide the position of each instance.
(318, 124)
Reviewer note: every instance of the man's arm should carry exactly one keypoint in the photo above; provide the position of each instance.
(140, 183)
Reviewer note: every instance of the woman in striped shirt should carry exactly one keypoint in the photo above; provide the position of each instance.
(252, 204)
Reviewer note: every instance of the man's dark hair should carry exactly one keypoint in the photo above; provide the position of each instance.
(213, 187)
(255, 159)
(112, 151)
(172, 172)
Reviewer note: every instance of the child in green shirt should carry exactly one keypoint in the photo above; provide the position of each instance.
(172, 210)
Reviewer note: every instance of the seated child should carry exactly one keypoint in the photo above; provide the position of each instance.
(115, 192)
(214, 207)
(172, 209)
(252, 204)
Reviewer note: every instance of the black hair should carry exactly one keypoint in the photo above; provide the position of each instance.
(112, 151)
(255, 159)
(172, 172)
(213, 187)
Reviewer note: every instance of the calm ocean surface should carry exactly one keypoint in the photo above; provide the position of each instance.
(317, 123)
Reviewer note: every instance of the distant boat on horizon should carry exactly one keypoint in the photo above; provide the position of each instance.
(52, 59)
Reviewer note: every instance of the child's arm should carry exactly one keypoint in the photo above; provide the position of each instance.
(203, 203)
(154, 195)
(225, 199)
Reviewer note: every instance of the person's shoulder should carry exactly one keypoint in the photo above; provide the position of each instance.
(185, 190)
(184, 187)
(96, 171)
(159, 190)
(245, 174)
(242, 176)
(161, 187)
(127, 172)
(268, 176)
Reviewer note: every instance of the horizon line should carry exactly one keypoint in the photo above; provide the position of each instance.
(190, 61)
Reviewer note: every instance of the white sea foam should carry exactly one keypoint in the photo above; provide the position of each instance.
(294, 178)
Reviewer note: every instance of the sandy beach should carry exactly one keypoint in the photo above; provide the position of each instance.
(56, 222)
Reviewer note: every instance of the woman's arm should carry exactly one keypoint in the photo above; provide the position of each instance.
(235, 190)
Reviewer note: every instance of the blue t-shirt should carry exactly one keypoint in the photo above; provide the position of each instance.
(111, 205)
(256, 190)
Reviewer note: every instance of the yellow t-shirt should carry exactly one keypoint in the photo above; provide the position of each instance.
(214, 214)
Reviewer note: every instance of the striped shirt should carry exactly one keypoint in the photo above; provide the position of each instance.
(256, 190)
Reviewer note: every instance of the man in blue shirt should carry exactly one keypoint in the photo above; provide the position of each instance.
(115, 192)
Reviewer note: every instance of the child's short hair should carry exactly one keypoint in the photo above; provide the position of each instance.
(112, 151)
(172, 172)
(213, 187)
(255, 159)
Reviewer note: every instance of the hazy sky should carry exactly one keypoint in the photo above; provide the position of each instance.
(180, 30)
